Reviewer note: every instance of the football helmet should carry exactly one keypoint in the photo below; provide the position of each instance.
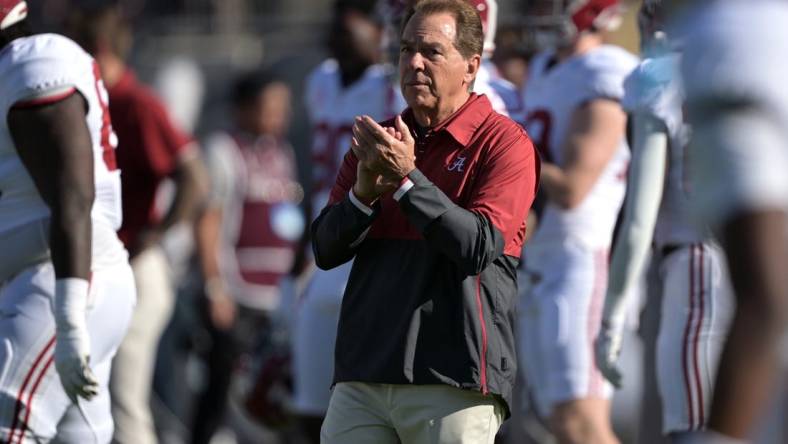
(488, 12)
(559, 22)
(12, 12)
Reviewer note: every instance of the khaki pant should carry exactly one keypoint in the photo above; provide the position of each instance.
(362, 413)
(132, 368)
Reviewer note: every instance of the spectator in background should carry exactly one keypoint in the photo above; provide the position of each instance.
(247, 234)
(150, 149)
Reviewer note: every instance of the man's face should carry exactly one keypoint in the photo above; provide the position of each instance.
(431, 68)
(269, 113)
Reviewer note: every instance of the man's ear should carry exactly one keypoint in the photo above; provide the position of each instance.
(472, 65)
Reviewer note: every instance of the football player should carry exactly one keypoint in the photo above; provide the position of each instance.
(734, 70)
(574, 115)
(66, 288)
(697, 304)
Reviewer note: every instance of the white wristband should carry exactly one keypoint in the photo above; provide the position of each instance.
(70, 304)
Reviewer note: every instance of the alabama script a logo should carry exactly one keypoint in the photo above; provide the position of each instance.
(458, 165)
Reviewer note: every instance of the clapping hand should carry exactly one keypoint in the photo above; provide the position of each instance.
(385, 156)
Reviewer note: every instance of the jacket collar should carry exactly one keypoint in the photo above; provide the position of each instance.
(463, 123)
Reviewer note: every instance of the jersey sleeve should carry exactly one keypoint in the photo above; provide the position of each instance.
(46, 70)
(604, 74)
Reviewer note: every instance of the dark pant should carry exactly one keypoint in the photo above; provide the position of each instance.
(225, 348)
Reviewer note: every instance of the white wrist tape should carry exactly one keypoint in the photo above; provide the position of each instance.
(70, 304)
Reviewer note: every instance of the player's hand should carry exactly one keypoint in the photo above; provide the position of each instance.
(72, 341)
(607, 349)
(71, 362)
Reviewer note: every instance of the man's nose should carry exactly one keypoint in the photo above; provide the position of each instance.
(416, 62)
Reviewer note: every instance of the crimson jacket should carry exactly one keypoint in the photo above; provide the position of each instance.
(432, 293)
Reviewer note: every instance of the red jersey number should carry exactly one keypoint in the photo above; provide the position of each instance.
(107, 135)
(539, 123)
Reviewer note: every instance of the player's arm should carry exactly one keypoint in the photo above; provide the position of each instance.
(191, 185)
(644, 194)
(54, 144)
(595, 131)
(187, 173)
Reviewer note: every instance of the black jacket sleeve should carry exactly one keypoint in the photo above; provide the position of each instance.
(466, 237)
(337, 231)
(487, 226)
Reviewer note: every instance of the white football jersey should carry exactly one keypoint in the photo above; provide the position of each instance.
(39, 69)
(654, 88)
(735, 59)
(551, 96)
(503, 95)
(332, 109)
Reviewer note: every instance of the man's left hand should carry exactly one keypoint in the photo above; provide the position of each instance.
(383, 152)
